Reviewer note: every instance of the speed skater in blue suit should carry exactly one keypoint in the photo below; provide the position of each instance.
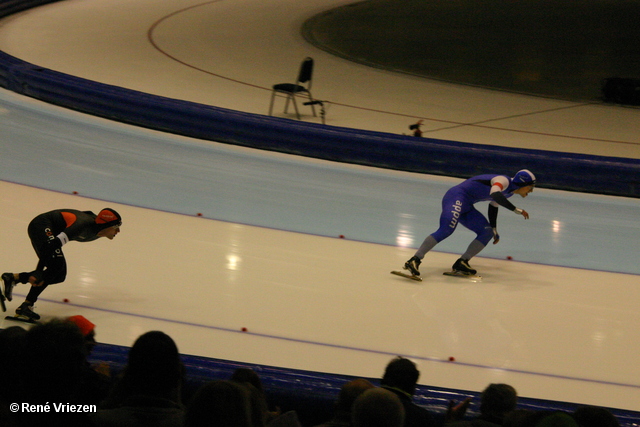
(458, 208)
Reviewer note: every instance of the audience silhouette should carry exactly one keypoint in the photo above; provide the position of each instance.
(96, 380)
(50, 370)
(377, 407)
(221, 403)
(148, 392)
(349, 392)
(496, 401)
(47, 365)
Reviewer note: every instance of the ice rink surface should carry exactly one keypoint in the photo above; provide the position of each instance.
(218, 238)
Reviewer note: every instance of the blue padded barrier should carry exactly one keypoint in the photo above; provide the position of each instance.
(312, 394)
(576, 172)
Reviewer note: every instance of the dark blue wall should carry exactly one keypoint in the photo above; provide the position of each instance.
(575, 172)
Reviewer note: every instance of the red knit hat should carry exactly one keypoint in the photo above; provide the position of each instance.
(108, 218)
(85, 326)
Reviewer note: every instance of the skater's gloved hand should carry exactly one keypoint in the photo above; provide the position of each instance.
(496, 236)
(522, 212)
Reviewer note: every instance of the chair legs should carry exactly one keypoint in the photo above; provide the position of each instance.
(273, 97)
(313, 107)
(290, 97)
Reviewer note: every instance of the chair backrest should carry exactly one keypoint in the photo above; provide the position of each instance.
(306, 70)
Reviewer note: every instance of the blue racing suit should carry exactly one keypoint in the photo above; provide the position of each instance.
(458, 206)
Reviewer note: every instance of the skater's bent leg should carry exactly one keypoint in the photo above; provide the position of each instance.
(54, 272)
(34, 293)
(474, 249)
(433, 239)
(477, 223)
(426, 246)
(448, 224)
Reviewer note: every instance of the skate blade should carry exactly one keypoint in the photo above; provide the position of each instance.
(472, 277)
(21, 319)
(2, 304)
(407, 276)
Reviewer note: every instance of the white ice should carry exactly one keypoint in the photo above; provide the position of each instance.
(559, 321)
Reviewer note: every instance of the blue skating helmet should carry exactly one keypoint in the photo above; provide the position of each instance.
(524, 178)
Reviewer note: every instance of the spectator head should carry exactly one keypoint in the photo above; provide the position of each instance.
(221, 404)
(154, 366)
(497, 400)
(377, 407)
(349, 392)
(401, 373)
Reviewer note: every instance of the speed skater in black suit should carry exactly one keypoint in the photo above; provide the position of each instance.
(48, 232)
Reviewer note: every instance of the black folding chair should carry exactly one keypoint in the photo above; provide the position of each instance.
(302, 86)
